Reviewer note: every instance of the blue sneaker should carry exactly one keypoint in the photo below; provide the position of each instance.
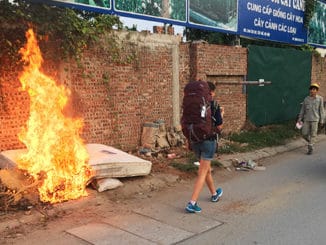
(193, 208)
(219, 193)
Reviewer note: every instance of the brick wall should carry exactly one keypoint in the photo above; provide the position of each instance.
(14, 104)
(226, 66)
(116, 95)
(318, 71)
(13, 110)
(121, 95)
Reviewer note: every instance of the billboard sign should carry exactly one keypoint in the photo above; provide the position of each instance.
(273, 20)
(155, 9)
(317, 26)
(214, 14)
(96, 3)
(89, 5)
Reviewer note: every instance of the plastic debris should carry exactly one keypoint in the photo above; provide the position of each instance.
(172, 155)
(197, 163)
(242, 169)
(246, 166)
(298, 125)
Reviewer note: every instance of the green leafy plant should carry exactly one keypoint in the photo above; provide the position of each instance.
(185, 167)
(216, 163)
(267, 136)
(71, 30)
(189, 166)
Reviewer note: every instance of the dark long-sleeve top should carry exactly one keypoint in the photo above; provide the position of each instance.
(216, 114)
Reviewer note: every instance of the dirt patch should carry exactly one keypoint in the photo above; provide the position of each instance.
(235, 207)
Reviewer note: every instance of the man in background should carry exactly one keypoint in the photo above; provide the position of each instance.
(311, 114)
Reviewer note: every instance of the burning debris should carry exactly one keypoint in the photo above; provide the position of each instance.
(56, 157)
(56, 164)
(17, 190)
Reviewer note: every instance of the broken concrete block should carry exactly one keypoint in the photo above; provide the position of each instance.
(106, 184)
(149, 135)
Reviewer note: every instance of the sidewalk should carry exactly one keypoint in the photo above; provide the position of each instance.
(143, 225)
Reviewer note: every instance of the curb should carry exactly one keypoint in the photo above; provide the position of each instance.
(226, 160)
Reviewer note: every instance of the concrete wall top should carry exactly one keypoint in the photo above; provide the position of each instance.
(148, 39)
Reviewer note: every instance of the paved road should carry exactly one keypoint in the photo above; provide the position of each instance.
(282, 205)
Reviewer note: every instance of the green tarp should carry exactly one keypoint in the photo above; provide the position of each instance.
(290, 74)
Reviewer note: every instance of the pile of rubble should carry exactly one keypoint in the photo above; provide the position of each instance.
(18, 190)
(156, 138)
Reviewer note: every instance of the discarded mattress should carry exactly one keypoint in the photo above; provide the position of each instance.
(106, 161)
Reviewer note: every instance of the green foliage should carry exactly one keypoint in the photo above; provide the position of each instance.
(309, 48)
(185, 167)
(191, 157)
(216, 163)
(133, 28)
(230, 39)
(189, 165)
(72, 30)
(268, 136)
(232, 147)
(211, 37)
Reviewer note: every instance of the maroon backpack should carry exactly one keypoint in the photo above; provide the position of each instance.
(196, 119)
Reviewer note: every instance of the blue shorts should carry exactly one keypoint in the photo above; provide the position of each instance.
(204, 150)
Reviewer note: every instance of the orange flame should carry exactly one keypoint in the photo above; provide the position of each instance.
(55, 151)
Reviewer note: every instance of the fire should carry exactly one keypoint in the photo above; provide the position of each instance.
(55, 152)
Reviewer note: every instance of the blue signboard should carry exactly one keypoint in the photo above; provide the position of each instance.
(274, 20)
